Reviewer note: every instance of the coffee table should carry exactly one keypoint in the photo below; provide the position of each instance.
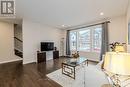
(68, 67)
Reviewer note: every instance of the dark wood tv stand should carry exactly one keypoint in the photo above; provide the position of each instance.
(55, 54)
(41, 56)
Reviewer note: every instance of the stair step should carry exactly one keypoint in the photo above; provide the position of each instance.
(18, 53)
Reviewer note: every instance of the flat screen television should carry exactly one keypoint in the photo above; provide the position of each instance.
(47, 46)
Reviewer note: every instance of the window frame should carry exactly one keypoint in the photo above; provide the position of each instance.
(92, 28)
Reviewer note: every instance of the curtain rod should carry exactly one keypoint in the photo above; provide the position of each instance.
(89, 25)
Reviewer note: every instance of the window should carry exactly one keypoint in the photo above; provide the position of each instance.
(86, 39)
(97, 32)
(73, 40)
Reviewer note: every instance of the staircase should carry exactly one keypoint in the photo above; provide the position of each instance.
(18, 43)
(18, 53)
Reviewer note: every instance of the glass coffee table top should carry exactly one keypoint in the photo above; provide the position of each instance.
(75, 61)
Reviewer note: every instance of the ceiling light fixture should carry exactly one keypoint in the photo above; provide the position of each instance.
(63, 25)
(101, 13)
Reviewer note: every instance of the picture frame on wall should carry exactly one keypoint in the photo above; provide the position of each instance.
(129, 32)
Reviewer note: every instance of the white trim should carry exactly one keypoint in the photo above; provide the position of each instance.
(7, 61)
(29, 62)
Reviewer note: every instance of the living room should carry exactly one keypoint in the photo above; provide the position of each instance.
(51, 21)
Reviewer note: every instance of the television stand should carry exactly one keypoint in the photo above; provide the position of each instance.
(55, 54)
(42, 56)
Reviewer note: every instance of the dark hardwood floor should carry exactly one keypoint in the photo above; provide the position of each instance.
(30, 75)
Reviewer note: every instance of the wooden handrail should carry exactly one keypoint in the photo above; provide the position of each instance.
(18, 39)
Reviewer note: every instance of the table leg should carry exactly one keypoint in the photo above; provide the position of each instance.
(87, 62)
(71, 68)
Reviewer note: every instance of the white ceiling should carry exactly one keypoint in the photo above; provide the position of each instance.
(69, 12)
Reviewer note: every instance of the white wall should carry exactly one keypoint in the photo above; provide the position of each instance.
(117, 29)
(6, 42)
(33, 34)
(128, 20)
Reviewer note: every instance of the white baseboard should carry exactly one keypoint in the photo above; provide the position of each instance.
(7, 61)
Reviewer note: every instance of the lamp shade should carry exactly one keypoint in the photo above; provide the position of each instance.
(119, 48)
(117, 63)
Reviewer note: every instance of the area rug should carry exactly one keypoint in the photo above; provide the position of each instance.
(85, 77)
